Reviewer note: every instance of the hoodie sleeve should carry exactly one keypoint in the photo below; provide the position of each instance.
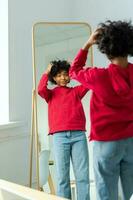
(81, 91)
(86, 76)
(43, 91)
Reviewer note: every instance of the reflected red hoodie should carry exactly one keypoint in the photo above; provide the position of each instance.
(111, 106)
(65, 110)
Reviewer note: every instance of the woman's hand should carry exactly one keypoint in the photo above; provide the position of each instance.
(92, 40)
(48, 68)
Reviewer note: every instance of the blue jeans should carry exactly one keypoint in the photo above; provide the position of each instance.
(113, 160)
(71, 145)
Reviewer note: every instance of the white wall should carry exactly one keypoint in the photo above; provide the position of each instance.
(14, 155)
(4, 104)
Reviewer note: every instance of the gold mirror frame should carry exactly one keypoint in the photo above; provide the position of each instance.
(34, 141)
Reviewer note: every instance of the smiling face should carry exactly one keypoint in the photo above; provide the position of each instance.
(62, 78)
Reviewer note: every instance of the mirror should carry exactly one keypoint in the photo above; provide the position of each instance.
(52, 41)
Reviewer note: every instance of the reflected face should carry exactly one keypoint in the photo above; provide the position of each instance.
(62, 78)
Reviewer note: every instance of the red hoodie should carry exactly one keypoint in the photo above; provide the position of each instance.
(65, 110)
(111, 106)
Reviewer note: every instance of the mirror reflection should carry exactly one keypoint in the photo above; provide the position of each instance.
(55, 41)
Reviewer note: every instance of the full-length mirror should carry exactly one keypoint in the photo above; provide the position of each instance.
(52, 41)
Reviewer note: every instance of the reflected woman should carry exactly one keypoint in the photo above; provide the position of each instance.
(67, 125)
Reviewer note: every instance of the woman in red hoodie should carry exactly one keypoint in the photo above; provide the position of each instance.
(111, 107)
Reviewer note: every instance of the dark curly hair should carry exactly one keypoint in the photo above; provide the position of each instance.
(115, 38)
(57, 67)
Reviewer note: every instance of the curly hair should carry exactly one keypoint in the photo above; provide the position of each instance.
(115, 38)
(57, 67)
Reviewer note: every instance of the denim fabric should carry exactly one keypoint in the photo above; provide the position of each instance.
(112, 160)
(71, 145)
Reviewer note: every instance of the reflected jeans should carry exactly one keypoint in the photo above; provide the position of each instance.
(113, 160)
(71, 145)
